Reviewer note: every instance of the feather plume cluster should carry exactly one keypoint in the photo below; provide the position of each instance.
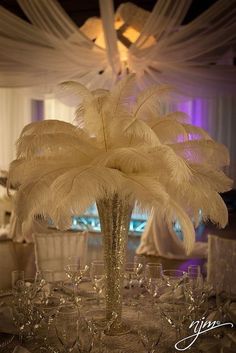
(120, 144)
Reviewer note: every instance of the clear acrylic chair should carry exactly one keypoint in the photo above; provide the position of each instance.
(52, 250)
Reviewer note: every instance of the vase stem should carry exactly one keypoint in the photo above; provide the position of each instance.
(115, 214)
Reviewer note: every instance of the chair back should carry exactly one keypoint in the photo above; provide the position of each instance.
(8, 263)
(221, 271)
(52, 250)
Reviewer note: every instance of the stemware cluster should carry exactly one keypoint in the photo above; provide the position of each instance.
(157, 296)
(37, 302)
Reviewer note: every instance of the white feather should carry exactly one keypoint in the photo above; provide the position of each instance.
(61, 169)
(78, 188)
(80, 90)
(214, 179)
(120, 94)
(153, 118)
(169, 131)
(173, 168)
(137, 133)
(48, 126)
(127, 160)
(53, 144)
(202, 152)
(174, 212)
(146, 191)
(149, 101)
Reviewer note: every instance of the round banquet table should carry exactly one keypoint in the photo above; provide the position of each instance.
(127, 343)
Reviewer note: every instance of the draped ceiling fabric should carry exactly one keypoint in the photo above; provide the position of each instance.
(50, 48)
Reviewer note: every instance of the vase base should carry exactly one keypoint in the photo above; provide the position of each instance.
(118, 329)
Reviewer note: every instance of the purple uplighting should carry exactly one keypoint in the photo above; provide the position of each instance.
(184, 266)
(197, 109)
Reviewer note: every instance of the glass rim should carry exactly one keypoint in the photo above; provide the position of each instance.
(154, 264)
(178, 272)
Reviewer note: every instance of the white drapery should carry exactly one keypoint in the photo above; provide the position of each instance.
(15, 112)
(55, 109)
(217, 116)
(52, 48)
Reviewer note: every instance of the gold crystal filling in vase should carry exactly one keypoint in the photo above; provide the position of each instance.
(115, 213)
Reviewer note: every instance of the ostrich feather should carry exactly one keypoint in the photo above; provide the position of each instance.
(196, 133)
(171, 131)
(89, 182)
(214, 179)
(137, 133)
(174, 212)
(195, 196)
(100, 92)
(96, 121)
(77, 88)
(153, 119)
(202, 152)
(181, 117)
(218, 213)
(146, 191)
(23, 171)
(149, 100)
(176, 169)
(48, 126)
(34, 198)
(49, 144)
(127, 160)
(61, 169)
(120, 94)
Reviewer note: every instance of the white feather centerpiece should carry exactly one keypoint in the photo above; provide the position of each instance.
(120, 152)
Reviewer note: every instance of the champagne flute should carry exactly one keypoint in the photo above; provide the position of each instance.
(67, 327)
(97, 274)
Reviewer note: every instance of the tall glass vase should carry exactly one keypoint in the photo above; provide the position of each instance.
(114, 213)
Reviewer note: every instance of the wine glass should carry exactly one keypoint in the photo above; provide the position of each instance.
(17, 280)
(67, 327)
(140, 264)
(97, 274)
(176, 314)
(130, 275)
(149, 330)
(46, 308)
(99, 326)
(194, 276)
(75, 273)
(45, 281)
(153, 278)
(86, 335)
(173, 279)
(194, 289)
(25, 317)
